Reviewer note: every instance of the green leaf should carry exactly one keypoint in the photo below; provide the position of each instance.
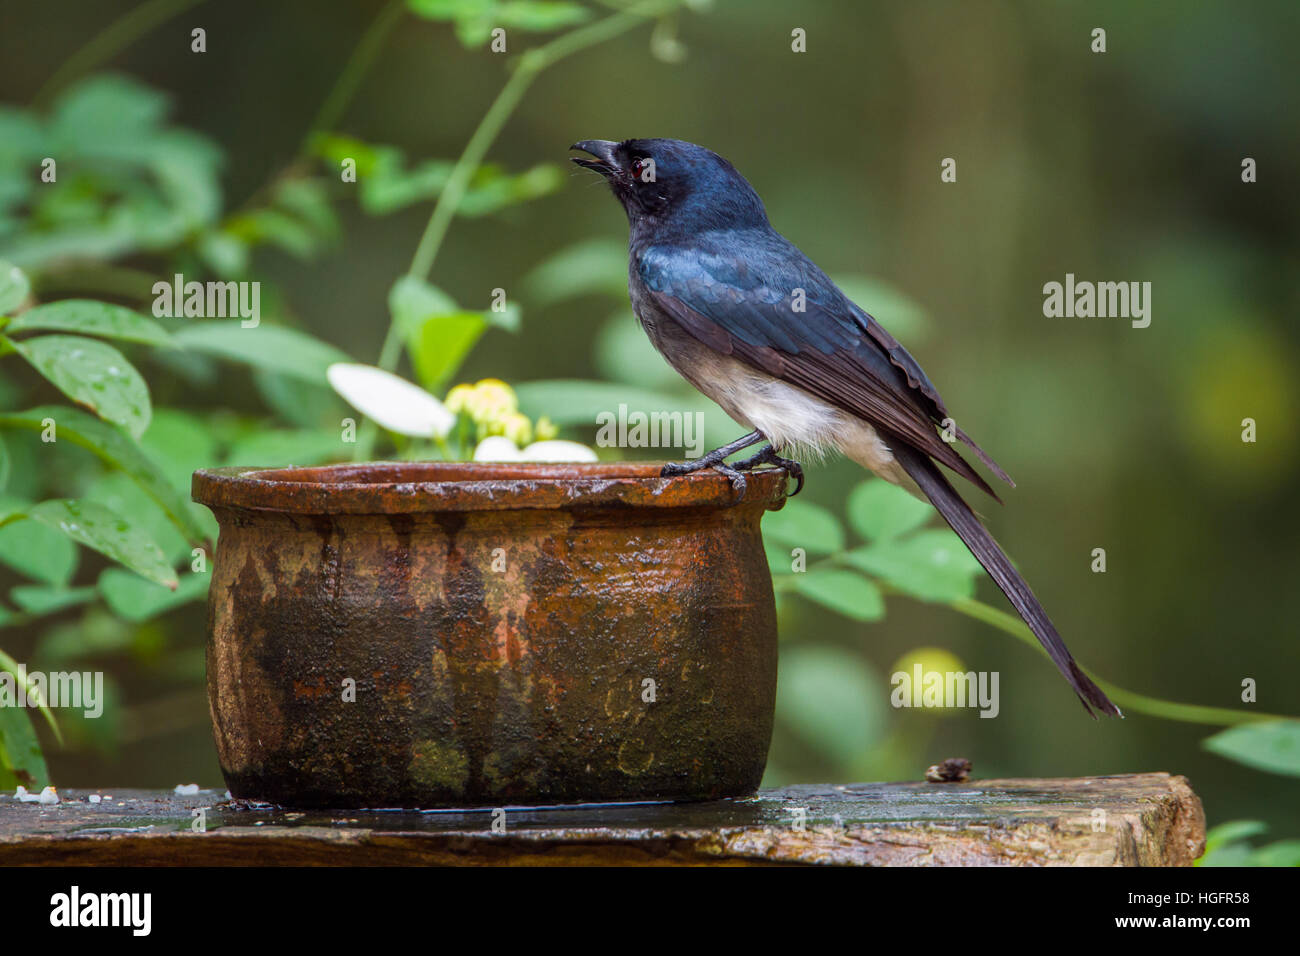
(388, 185)
(1281, 853)
(541, 16)
(10, 665)
(13, 287)
(1232, 832)
(439, 334)
(107, 109)
(4, 465)
(492, 189)
(115, 448)
(802, 524)
(578, 402)
(38, 599)
(92, 318)
(277, 228)
(134, 599)
(92, 374)
(879, 510)
(34, 550)
(450, 9)
(590, 267)
(845, 592)
(931, 565)
(833, 700)
(297, 402)
(114, 537)
(1272, 745)
(21, 760)
(122, 496)
(274, 348)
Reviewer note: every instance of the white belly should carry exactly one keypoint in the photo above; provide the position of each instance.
(797, 423)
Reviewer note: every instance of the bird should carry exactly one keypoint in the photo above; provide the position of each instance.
(752, 323)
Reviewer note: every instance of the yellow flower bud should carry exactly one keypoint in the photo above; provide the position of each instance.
(459, 399)
(493, 400)
(545, 429)
(517, 428)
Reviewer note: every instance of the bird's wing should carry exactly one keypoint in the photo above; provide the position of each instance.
(745, 306)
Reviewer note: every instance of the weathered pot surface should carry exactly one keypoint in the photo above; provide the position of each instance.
(450, 635)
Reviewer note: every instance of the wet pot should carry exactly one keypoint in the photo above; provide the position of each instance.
(441, 635)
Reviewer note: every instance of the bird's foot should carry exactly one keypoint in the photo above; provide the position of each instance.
(711, 460)
(768, 456)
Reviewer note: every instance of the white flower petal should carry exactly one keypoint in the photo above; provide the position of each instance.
(557, 450)
(390, 401)
(496, 448)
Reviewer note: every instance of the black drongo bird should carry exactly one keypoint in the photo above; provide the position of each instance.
(752, 323)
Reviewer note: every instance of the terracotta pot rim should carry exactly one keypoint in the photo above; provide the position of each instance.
(419, 487)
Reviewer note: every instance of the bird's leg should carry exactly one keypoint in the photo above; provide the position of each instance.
(716, 460)
(769, 456)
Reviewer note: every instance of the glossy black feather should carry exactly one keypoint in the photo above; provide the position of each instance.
(962, 520)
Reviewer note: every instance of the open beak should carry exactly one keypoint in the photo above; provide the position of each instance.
(603, 151)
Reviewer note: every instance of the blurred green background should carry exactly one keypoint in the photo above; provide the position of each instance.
(1122, 166)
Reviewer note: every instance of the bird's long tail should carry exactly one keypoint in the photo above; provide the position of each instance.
(959, 515)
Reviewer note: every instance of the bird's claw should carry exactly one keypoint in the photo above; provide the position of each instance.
(739, 484)
(768, 456)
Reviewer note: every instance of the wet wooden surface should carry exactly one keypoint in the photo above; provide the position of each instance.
(1133, 820)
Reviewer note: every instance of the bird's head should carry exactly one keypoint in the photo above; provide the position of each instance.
(671, 180)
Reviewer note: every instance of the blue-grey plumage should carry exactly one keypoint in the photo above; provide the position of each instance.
(756, 326)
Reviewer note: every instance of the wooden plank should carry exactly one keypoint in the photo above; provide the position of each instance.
(1134, 820)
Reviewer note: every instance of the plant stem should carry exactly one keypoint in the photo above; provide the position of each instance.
(527, 69)
(7, 663)
(1139, 703)
(345, 87)
(1129, 700)
(114, 38)
(530, 65)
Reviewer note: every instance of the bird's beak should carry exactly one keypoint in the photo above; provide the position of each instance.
(602, 149)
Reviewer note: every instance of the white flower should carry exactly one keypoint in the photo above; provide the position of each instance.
(556, 450)
(497, 448)
(392, 402)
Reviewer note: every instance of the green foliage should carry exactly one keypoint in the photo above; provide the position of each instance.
(475, 20)
(13, 287)
(830, 698)
(22, 762)
(389, 181)
(274, 348)
(128, 184)
(802, 524)
(438, 333)
(91, 318)
(93, 374)
(930, 564)
(844, 592)
(1272, 746)
(96, 527)
(1228, 844)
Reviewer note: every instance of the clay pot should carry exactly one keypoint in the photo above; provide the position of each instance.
(449, 635)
